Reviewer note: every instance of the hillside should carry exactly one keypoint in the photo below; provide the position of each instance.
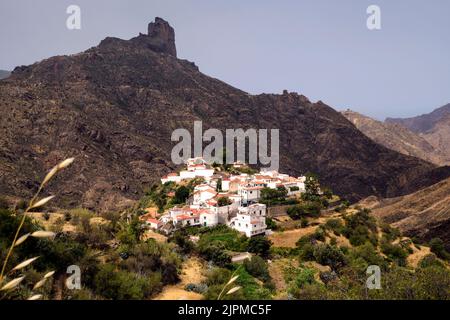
(397, 137)
(424, 214)
(115, 106)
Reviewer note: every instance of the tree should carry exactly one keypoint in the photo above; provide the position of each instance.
(259, 245)
(219, 185)
(257, 267)
(181, 194)
(223, 201)
(271, 196)
(329, 256)
(312, 188)
(309, 209)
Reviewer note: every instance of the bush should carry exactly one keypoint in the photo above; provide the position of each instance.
(360, 228)
(365, 255)
(223, 201)
(257, 267)
(216, 253)
(121, 285)
(329, 256)
(271, 224)
(438, 248)
(304, 277)
(430, 260)
(271, 196)
(180, 237)
(259, 245)
(308, 209)
(394, 252)
(390, 233)
(181, 195)
(335, 225)
(307, 252)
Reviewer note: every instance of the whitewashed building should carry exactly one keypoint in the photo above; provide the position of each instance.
(250, 220)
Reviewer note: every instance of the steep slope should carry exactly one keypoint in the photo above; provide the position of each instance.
(439, 136)
(401, 139)
(422, 123)
(424, 214)
(434, 127)
(4, 74)
(115, 106)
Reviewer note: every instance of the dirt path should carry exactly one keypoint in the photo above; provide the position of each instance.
(191, 272)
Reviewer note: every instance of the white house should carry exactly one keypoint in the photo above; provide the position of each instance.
(249, 194)
(171, 177)
(208, 218)
(154, 223)
(201, 196)
(186, 220)
(250, 220)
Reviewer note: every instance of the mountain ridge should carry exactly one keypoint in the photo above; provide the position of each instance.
(399, 138)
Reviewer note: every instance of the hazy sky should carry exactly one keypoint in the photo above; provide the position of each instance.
(319, 48)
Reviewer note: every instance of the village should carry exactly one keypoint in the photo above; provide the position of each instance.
(223, 198)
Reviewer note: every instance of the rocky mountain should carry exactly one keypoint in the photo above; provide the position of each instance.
(399, 138)
(424, 214)
(4, 74)
(114, 108)
(423, 123)
(434, 127)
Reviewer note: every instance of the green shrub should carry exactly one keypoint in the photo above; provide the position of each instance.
(259, 245)
(121, 285)
(430, 260)
(394, 252)
(308, 209)
(335, 225)
(329, 256)
(257, 267)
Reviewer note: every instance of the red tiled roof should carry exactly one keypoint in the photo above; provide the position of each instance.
(151, 220)
(186, 217)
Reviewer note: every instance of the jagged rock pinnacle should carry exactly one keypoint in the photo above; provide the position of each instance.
(162, 36)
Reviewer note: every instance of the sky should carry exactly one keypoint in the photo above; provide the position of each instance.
(319, 48)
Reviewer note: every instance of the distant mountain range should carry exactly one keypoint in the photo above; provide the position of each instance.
(115, 106)
(4, 74)
(432, 145)
(424, 123)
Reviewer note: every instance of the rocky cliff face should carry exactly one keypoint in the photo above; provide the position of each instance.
(115, 106)
(399, 138)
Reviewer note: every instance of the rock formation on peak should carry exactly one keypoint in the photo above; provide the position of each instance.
(162, 37)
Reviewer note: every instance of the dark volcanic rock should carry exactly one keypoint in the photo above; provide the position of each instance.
(114, 108)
